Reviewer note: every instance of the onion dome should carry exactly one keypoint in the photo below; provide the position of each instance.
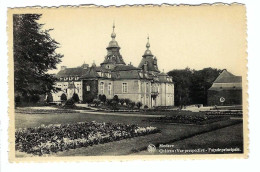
(148, 52)
(113, 42)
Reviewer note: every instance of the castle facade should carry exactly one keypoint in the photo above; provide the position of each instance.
(145, 83)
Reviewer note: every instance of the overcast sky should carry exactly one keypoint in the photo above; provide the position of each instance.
(180, 37)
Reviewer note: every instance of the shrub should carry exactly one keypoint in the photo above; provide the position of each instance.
(132, 105)
(127, 101)
(49, 98)
(96, 102)
(122, 101)
(70, 103)
(139, 105)
(114, 105)
(75, 97)
(115, 98)
(145, 107)
(103, 98)
(63, 97)
(59, 137)
(108, 102)
(17, 100)
(35, 98)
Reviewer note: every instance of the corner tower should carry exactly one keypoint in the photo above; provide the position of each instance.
(113, 57)
(149, 59)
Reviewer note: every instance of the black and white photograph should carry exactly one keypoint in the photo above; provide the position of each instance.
(131, 81)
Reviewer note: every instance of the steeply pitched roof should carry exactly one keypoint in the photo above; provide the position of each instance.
(227, 77)
(151, 66)
(125, 68)
(132, 74)
(227, 81)
(91, 73)
(78, 71)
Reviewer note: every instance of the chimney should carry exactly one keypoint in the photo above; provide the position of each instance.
(63, 67)
(85, 66)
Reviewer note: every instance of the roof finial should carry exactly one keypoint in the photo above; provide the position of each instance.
(113, 25)
(113, 35)
(148, 44)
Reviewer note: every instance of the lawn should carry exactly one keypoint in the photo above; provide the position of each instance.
(227, 137)
(169, 132)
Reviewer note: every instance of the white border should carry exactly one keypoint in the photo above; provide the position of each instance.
(253, 14)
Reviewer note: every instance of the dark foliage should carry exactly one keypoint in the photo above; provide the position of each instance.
(191, 85)
(103, 98)
(34, 55)
(49, 98)
(70, 103)
(63, 97)
(115, 98)
(75, 97)
(55, 138)
(139, 105)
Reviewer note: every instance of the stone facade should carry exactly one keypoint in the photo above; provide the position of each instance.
(144, 83)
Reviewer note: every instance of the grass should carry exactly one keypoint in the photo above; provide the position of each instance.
(227, 137)
(169, 132)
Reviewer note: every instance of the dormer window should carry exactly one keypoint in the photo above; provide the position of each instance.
(141, 74)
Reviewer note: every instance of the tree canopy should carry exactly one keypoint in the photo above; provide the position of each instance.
(34, 55)
(191, 86)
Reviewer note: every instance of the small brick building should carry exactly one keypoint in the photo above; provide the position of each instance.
(226, 90)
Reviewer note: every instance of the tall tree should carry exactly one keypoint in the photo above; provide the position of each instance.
(182, 82)
(34, 55)
(201, 82)
(191, 86)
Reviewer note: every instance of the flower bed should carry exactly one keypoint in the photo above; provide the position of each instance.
(198, 119)
(55, 138)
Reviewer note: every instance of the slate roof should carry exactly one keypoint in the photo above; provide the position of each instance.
(150, 63)
(125, 68)
(78, 71)
(227, 81)
(227, 77)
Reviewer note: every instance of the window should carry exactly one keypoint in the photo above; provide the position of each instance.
(101, 87)
(109, 88)
(147, 87)
(124, 87)
(88, 88)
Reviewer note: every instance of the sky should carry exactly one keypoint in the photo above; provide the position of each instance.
(180, 37)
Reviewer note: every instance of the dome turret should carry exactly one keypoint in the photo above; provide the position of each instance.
(147, 51)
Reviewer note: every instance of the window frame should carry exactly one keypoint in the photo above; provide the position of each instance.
(124, 87)
(101, 85)
(109, 88)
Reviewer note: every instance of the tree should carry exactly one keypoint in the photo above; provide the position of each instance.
(75, 97)
(34, 55)
(182, 82)
(63, 97)
(201, 82)
(191, 86)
